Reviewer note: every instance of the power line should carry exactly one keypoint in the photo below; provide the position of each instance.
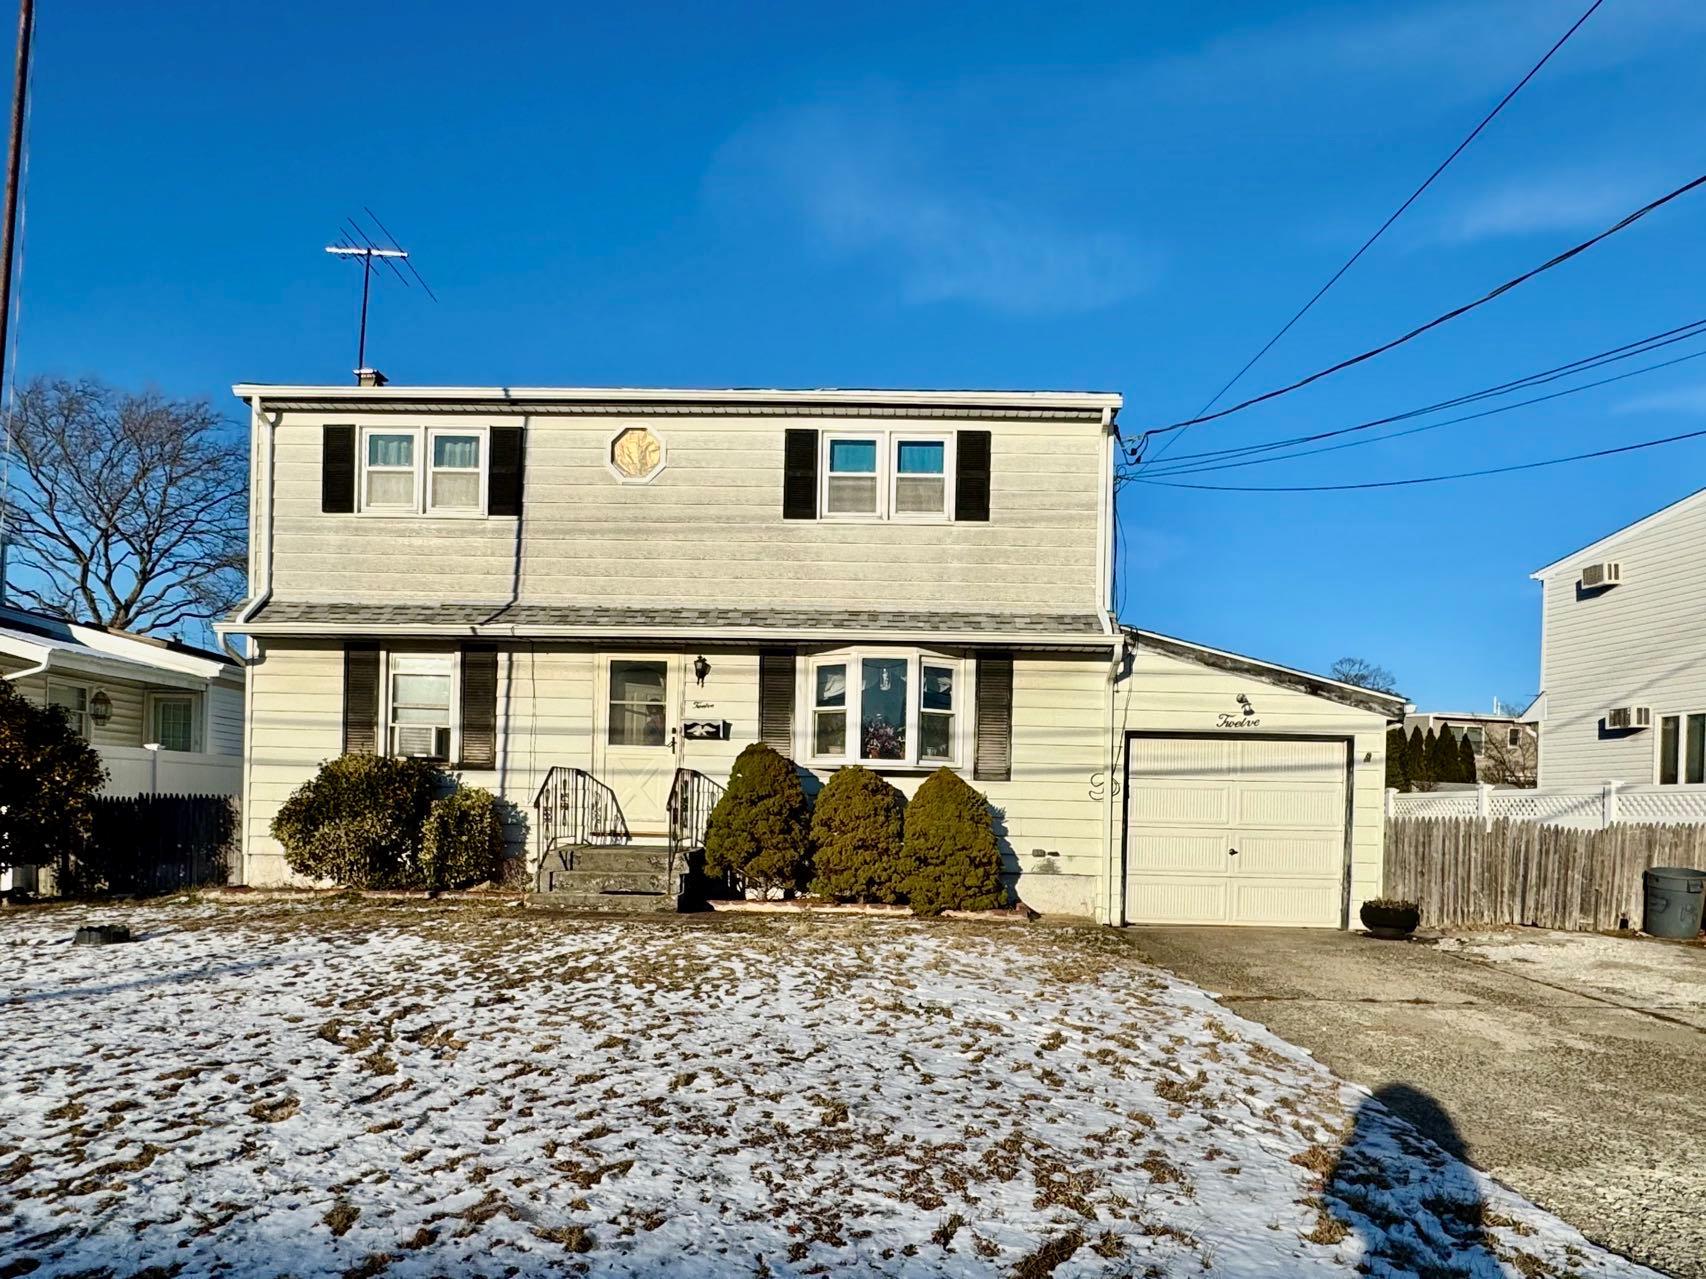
(1398, 212)
(1629, 350)
(1430, 426)
(1622, 224)
(1426, 479)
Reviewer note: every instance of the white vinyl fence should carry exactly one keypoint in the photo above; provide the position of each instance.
(1581, 808)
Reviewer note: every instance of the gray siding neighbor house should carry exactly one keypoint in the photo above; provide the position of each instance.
(1623, 656)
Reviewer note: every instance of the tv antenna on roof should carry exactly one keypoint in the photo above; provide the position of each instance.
(355, 243)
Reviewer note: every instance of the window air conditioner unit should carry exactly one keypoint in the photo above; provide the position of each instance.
(1605, 573)
(418, 740)
(1629, 717)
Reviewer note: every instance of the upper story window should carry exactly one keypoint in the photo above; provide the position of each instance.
(896, 707)
(422, 470)
(1682, 749)
(884, 475)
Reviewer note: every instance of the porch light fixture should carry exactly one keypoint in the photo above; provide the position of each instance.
(100, 708)
(701, 668)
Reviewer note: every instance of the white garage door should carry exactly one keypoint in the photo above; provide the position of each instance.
(1230, 830)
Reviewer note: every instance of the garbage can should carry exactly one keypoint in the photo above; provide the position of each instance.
(1674, 898)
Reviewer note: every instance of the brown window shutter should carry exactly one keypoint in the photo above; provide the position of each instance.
(505, 471)
(479, 719)
(776, 699)
(361, 699)
(992, 759)
(337, 469)
(971, 475)
(799, 474)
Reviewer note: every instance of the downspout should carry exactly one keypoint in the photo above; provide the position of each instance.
(1112, 906)
(260, 525)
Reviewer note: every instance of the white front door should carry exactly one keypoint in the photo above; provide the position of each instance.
(638, 737)
(1235, 830)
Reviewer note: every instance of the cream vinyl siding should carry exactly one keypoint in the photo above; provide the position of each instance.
(1637, 644)
(708, 529)
(1166, 695)
(546, 717)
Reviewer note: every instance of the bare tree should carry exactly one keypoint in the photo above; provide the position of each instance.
(1364, 674)
(130, 510)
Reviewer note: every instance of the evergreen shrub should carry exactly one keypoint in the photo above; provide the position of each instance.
(758, 832)
(954, 862)
(857, 834)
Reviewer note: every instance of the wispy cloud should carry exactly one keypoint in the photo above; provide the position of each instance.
(866, 190)
(1580, 200)
(1683, 399)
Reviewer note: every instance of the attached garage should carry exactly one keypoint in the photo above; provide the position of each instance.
(1252, 792)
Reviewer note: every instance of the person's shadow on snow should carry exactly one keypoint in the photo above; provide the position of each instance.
(1405, 1190)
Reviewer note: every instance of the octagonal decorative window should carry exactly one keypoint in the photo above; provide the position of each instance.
(636, 455)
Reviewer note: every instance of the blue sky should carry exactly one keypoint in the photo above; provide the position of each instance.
(1126, 197)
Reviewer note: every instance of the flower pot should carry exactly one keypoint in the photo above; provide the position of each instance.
(1391, 921)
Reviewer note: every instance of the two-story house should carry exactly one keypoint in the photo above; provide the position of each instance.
(615, 590)
(1622, 666)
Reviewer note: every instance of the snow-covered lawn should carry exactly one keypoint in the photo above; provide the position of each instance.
(471, 1090)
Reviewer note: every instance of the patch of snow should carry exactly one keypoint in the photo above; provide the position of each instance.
(411, 1091)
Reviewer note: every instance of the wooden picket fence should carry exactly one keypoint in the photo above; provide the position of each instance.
(1463, 871)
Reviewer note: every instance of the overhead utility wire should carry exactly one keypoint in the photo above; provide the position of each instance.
(1398, 212)
(1429, 426)
(1426, 479)
(1642, 346)
(1623, 224)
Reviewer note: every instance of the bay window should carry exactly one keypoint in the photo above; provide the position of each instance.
(890, 707)
(1682, 749)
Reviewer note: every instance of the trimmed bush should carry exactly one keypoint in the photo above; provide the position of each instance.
(758, 831)
(464, 840)
(857, 838)
(953, 858)
(49, 778)
(360, 820)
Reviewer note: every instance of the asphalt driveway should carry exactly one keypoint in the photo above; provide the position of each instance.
(1573, 1068)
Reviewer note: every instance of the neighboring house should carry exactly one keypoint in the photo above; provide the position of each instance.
(1622, 659)
(166, 718)
(589, 600)
(1506, 746)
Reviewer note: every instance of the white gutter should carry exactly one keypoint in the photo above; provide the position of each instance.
(1105, 524)
(260, 528)
(37, 669)
(1105, 402)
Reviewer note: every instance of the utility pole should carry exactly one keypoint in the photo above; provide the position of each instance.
(14, 160)
(14, 157)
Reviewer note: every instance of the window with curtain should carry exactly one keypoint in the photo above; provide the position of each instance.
(920, 477)
(420, 697)
(1682, 749)
(453, 483)
(388, 471)
(829, 709)
(936, 712)
(851, 477)
(174, 723)
(883, 708)
(639, 713)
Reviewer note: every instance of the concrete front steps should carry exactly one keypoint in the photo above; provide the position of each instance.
(631, 877)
